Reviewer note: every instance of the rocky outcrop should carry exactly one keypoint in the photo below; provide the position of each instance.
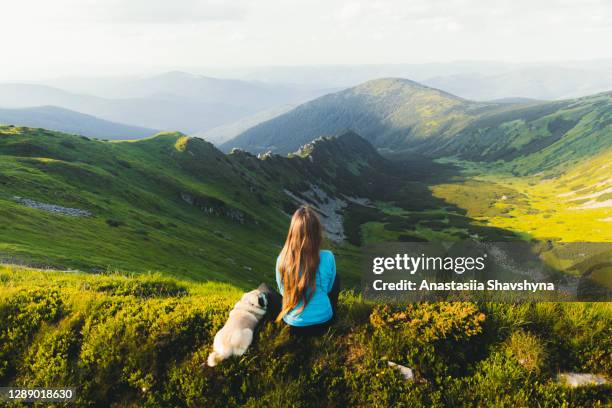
(329, 208)
(57, 209)
(214, 206)
(406, 372)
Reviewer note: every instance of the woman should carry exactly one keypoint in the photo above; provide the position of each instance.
(306, 277)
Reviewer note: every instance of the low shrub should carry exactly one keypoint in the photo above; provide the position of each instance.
(144, 340)
(114, 223)
(527, 350)
(21, 315)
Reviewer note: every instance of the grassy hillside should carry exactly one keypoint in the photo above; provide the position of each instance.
(135, 192)
(169, 203)
(538, 137)
(390, 113)
(65, 120)
(177, 204)
(143, 341)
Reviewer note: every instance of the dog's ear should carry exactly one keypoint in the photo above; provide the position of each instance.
(262, 300)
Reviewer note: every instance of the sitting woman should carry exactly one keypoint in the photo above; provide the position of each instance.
(306, 277)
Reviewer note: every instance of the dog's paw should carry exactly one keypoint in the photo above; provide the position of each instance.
(213, 359)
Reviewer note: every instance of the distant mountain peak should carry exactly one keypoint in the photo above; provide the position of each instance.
(392, 81)
(392, 84)
(388, 112)
(178, 73)
(69, 121)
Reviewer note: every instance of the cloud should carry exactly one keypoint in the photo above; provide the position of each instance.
(136, 11)
(169, 11)
(350, 11)
(78, 36)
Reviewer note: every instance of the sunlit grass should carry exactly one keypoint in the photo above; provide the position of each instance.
(572, 207)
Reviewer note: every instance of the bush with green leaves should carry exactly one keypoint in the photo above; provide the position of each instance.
(144, 340)
(22, 312)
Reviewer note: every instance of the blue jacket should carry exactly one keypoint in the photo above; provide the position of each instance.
(318, 309)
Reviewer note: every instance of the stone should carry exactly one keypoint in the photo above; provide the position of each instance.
(406, 372)
(574, 380)
(58, 209)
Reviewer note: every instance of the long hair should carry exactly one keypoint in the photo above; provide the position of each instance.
(299, 259)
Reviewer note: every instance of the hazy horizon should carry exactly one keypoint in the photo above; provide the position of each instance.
(90, 38)
(242, 71)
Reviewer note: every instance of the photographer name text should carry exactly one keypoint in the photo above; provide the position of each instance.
(471, 285)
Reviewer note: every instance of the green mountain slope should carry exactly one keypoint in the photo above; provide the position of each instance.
(574, 206)
(65, 120)
(177, 204)
(397, 115)
(165, 203)
(390, 113)
(538, 137)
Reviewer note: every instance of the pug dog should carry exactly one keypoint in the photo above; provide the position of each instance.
(236, 335)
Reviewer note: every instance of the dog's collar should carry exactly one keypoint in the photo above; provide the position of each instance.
(250, 308)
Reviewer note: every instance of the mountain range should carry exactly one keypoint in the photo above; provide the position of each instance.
(397, 114)
(476, 80)
(170, 101)
(156, 111)
(536, 82)
(177, 203)
(220, 109)
(388, 160)
(390, 113)
(65, 120)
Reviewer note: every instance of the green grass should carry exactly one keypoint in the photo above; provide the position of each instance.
(571, 206)
(168, 203)
(529, 139)
(143, 341)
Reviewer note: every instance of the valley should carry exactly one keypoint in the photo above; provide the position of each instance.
(176, 204)
(575, 206)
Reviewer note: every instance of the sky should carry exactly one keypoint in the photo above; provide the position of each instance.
(42, 39)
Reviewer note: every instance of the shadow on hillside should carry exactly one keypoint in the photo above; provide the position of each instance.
(407, 211)
(414, 212)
